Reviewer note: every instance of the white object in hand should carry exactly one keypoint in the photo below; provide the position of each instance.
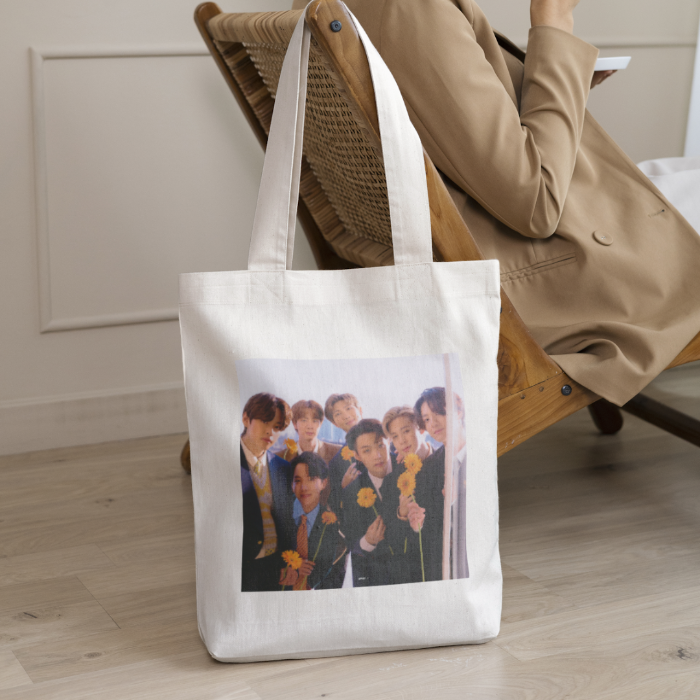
(613, 63)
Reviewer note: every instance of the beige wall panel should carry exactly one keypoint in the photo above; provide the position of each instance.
(607, 21)
(120, 237)
(145, 180)
(645, 107)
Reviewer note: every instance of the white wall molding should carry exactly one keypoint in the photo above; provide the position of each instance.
(92, 417)
(38, 57)
(101, 321)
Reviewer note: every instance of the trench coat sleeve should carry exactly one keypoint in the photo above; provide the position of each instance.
(518, 166)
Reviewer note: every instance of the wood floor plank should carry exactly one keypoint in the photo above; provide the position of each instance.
(618, 552)
(524, 598)
(12, 674)
(189, 676)
(545, 533)
(620, 622)
(121, 451)
(605, 583)
(98, 530)
(139, 576)
(112, 649)
(373, 675)
(20, 628)
(55, 563)
(57, 591)
(150, 548)
(110, 502)
(657, 666)
(683, 685)
(158, 606)
(650, 481)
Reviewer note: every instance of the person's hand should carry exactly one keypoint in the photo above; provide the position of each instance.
(375, 532)
(306, 568)
(403, 506)
(350, 475)
(288, 576)
(416, 516)
(600, 75)
(553, 13)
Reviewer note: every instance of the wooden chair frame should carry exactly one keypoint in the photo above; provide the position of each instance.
(533, 391)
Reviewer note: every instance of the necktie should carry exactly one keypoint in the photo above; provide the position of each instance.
(258, 468)
(303, 550)
(302, 539)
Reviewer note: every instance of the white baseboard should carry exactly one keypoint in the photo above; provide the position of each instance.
(89, 418)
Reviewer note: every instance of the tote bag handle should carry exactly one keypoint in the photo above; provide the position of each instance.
(272, 241)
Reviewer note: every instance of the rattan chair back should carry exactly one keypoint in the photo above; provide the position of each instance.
(345, 166)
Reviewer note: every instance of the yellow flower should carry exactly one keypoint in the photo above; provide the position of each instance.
(291, 446)
(328, 518)
(366, 497)
(413, 463)
(292, 559)
(346, 454)
(406, 483)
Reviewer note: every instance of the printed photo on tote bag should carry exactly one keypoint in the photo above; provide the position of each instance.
(343, 423)
(364, 444)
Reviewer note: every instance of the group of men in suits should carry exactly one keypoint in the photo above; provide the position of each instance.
(320, 515)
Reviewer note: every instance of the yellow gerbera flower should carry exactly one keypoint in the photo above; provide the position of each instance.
(291, 446)
(406, 483)
(366, 497)
(292, 558)
(346, 454)
(413, 463)
(328, 518)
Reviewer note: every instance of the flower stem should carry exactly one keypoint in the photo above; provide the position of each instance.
(323, 532)
(420, 543)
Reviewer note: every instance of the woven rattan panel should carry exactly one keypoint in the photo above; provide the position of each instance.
(346, 165)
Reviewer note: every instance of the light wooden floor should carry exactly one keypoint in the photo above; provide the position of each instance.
(601, 557)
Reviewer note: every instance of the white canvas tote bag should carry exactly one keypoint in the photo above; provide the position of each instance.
(343, 424)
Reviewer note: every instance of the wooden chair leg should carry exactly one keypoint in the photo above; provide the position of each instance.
(606, 416)
(185, 458)
(665, 417)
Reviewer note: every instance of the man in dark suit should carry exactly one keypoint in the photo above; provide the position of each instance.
(369, 514)
(307, 418)
(427, 511)
(344, 411)
(313, 529)
(266, 486)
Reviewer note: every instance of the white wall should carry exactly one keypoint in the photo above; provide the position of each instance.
(125, 160)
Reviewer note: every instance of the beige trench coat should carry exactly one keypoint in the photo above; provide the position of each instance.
(604, 270)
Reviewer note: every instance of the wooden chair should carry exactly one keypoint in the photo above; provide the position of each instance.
(344, 211)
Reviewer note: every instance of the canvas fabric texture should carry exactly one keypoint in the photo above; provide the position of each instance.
(388, 333)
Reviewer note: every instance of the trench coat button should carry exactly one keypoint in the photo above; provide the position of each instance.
(603, 237)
